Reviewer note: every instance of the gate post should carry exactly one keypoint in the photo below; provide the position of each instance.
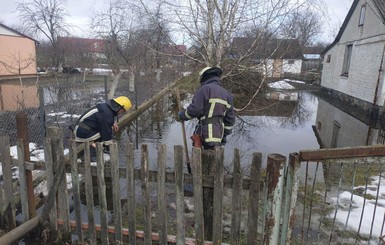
(22, 133)
(292, 181)
(275, 178)
(208, 167)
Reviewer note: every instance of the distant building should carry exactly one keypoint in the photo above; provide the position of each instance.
(353, 65)
(82, 52)
(279, 56)
(312, 59)
(174, 54)
(17, 53)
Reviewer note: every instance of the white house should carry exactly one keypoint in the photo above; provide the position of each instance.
(278, 56)
(353, 64)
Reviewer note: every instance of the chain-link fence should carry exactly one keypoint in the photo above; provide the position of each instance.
(55, 102)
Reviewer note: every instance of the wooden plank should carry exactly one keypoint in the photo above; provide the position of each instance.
(179, 194)
(207, 181)
(76, 190)
(131, 194)
(254, 192)
(89, 194)
(162, 211)
(9, 204)
(49, 166)
(146, 195)
(133, 114)
(22, 181)
(198, 195)
(218, 196)
(62, 202)
(116, 191)
(236, 212)
(140, 234)
(346, 152)
(102, 194)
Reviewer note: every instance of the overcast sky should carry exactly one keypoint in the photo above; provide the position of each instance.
(81, 10)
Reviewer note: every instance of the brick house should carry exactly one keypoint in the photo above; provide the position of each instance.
(17, 53)
(353, 64)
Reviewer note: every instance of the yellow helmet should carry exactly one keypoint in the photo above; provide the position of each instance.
(124, 102)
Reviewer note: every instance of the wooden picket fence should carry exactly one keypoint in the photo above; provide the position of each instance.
(260, 206)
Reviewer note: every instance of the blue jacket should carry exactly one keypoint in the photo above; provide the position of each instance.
(96, 123)
(213, 105)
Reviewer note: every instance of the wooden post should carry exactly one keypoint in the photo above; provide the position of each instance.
(254, 193)
(198, 195)
(179, 190)
(8, 203)
(146, 195)
(22, 133)
(76, 190)
(102, 194)
(22, 181)
(130, 179)
(275, 178)
(162, 159)
(236, 200)
(218, 196)
(292, 184)
(208, 167)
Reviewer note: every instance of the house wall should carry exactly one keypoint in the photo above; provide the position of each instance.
(284, 67)
(368, 45)
(292, 68)
(15, 97)
(17, 56)
(352, 132)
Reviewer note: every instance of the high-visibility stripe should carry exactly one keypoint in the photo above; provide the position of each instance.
(220, 101)
(187, 115)
(228, 127)
(93, 111)
(92, 138)
(210, 137)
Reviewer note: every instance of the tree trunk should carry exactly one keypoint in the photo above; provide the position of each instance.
(114, 85)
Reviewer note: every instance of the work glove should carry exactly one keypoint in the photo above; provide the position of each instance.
(180, 116)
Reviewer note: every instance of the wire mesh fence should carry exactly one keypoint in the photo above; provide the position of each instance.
(59, 101)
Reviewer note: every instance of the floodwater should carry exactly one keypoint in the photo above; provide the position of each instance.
(278, 132)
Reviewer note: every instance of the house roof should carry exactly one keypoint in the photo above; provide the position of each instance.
(90, 45)
(17, 33)
(273, 49)
(379, 4)
(175, 49)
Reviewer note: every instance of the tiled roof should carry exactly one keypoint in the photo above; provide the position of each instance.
(274, 48)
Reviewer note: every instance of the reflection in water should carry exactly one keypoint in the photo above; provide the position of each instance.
(338, 128)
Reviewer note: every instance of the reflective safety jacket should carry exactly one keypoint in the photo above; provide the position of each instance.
(95, 124)
(213, 105)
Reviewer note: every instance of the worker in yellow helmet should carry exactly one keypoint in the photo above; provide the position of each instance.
(100, 122)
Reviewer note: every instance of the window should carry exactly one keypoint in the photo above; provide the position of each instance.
(328, 58)
(335, 134)
(347, 57)
(362, 15)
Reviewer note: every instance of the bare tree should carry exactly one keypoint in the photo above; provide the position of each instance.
(115, 23)
(45, 18)
(304, 26)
